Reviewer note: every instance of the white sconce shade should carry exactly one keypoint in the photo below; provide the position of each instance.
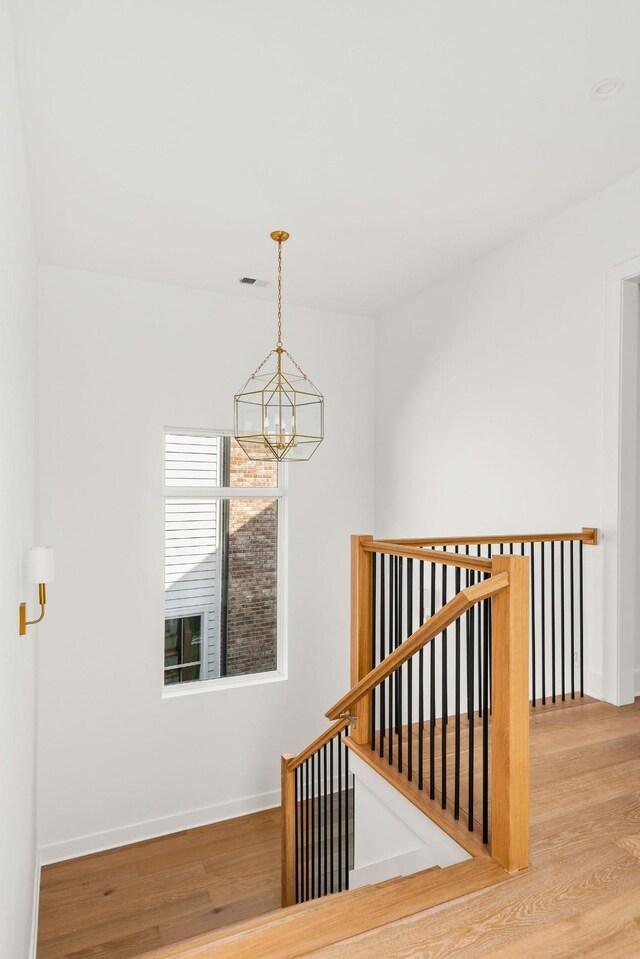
(40, 564)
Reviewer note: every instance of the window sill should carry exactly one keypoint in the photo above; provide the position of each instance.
(230, 682)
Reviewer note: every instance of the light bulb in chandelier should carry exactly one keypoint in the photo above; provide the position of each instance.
(279, 413)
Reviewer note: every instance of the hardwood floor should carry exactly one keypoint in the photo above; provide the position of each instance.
(580, 898)
(128, 901)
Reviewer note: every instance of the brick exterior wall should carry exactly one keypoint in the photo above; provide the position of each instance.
(253, 575)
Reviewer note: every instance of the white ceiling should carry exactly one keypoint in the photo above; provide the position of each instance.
(395, 141)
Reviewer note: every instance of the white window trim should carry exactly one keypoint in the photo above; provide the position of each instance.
(280, 674)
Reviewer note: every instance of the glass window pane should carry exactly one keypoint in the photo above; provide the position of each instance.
(190, 674)
(172, 633)
(246, 472)
(251, 587)
(191, 632)
(192, 460)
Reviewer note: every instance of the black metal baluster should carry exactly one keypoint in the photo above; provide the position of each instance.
(373, 647)
(326, 822)
(533, 626)
(553, 621)
(573, 624)
(319, 822)
(489, 644)
(313, 826)
(543, 641)
(421, 685)
(485, 728)
(305, 830)
(410, 672)
(383, 687)
(445, 694)
(581, 622)
(480, 687)
(322, 838)
(391, 646)
(340, 748)
(432, 684)
(332, 809)
(471, 702)
(562, 642)
(297, 836)
(467, 633)
(456, 788)
(399, 671)
(347, 831)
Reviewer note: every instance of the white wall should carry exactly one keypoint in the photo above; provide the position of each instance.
(489, 408)
(392, 837)
(17, 499)
(637, 503)
(119, 360)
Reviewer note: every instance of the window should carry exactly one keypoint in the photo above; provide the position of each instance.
(223, 537)
(182, 644)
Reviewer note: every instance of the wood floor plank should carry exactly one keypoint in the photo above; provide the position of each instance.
(73, 870)
(610, 929)
(575, 792)
(57, 947)
(221, 915)
(124, 947)
(101, 900)
(571, 835)
(574, 760)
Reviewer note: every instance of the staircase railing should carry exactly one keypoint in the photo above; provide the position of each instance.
(317, 817)
(494, 604)
(556, 590)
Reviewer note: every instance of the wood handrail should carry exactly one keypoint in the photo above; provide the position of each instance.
(294, 761)
(460, 603)
(403, 548)
(588, 536)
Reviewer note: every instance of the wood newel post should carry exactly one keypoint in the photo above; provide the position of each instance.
(361, 618)
(288, 806)
(510, 716)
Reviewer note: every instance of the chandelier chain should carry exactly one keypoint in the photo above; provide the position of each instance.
(279, 293)
(279, 347)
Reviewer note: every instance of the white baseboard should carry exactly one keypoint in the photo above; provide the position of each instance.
(33, 946)
(637, 687)
(137, 832)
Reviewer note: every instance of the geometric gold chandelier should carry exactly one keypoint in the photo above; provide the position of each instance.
(279, 413)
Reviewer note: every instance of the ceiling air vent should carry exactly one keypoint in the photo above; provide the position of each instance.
(251, 281)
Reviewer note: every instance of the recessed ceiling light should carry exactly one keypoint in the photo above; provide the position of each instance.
(606, 88)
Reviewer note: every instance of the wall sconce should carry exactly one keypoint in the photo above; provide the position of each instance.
(40, 572)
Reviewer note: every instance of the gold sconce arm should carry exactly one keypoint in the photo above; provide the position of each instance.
(24, 622)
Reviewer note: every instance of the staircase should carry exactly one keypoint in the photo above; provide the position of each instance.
(439, 708)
